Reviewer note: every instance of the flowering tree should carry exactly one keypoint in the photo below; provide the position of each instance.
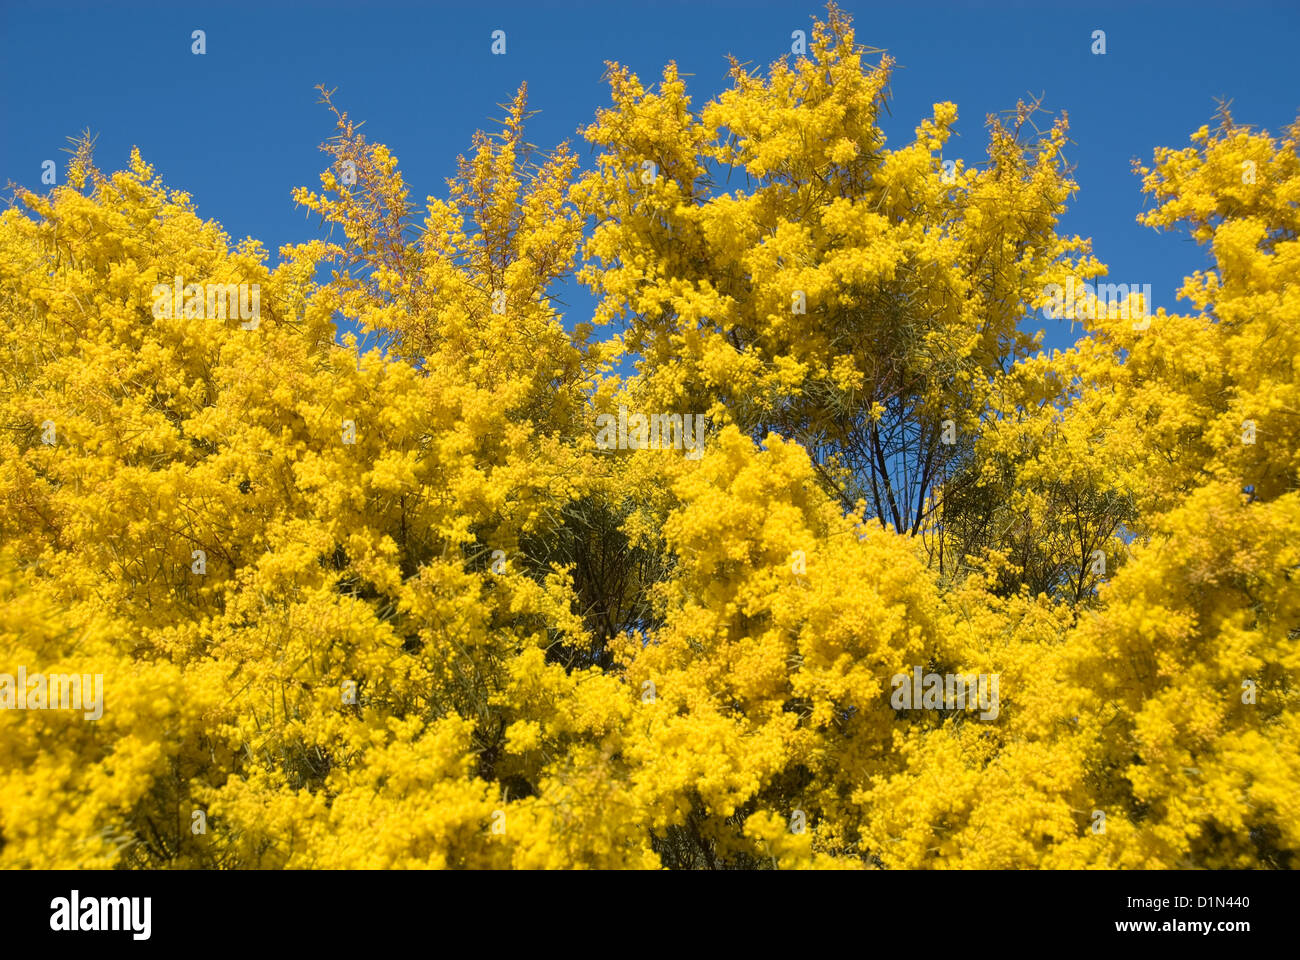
(385, 601)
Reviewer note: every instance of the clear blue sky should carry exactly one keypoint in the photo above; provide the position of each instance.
(238, 128)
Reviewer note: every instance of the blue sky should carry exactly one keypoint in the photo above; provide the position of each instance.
(238, 127)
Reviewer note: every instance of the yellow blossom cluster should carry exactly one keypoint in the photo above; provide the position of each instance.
(381, 600)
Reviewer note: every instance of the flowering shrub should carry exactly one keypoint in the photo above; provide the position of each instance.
(389, 601)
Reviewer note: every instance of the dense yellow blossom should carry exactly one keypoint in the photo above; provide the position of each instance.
(389, 600)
